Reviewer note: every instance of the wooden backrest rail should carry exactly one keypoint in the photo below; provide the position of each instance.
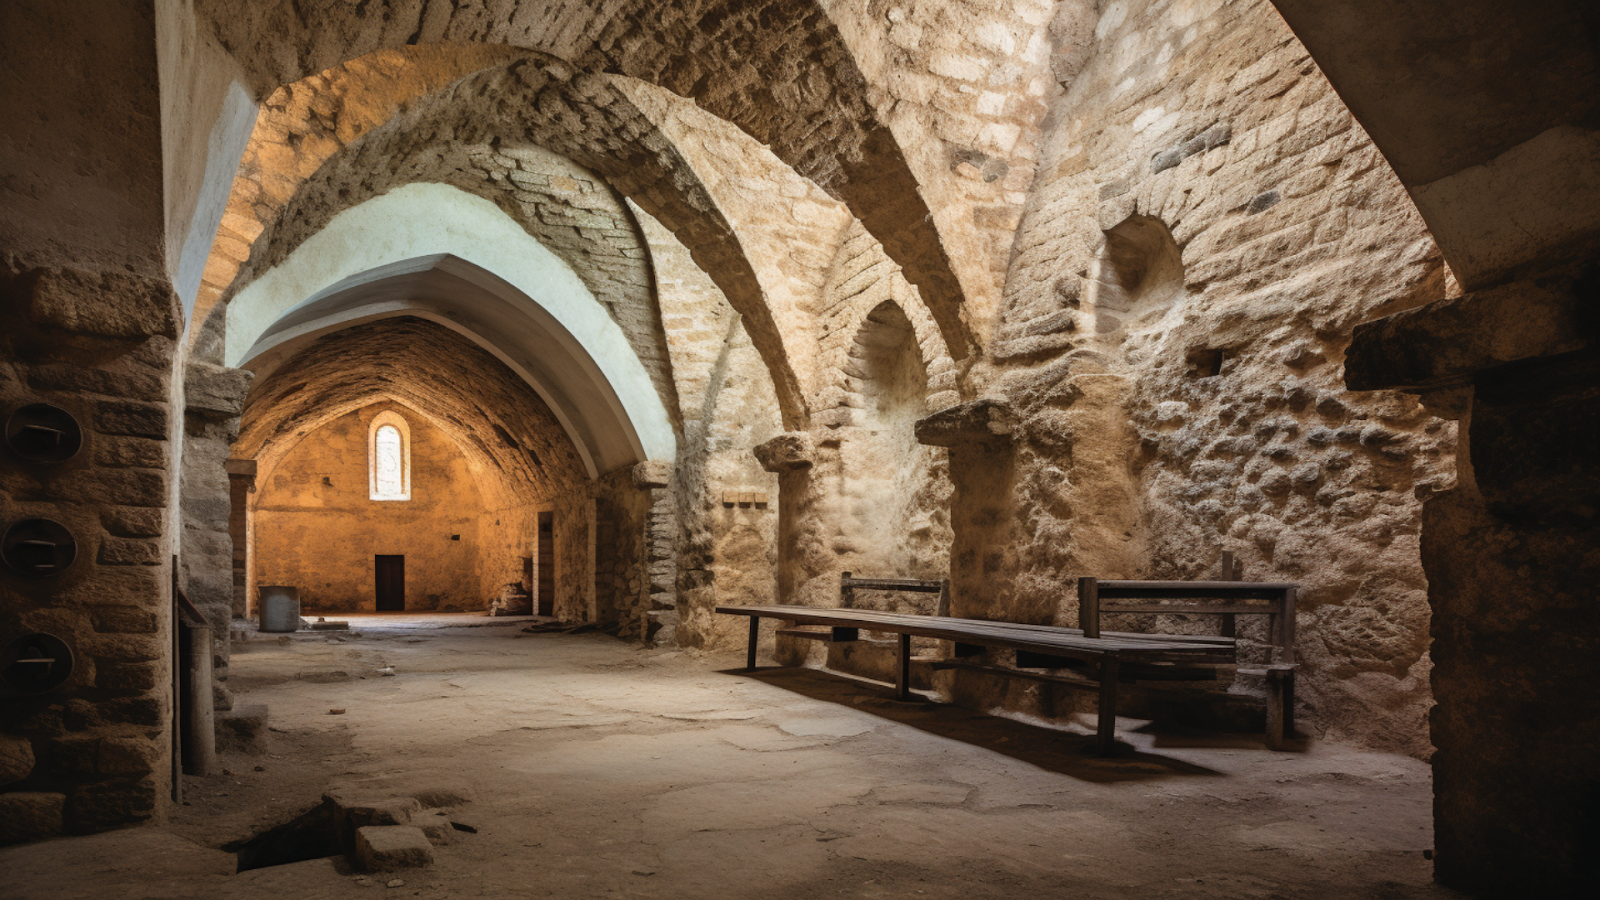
(1199, 596)
(848, 585)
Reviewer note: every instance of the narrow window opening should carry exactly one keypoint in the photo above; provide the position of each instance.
(389, 458)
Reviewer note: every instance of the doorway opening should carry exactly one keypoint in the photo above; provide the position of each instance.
(389, 575)
(544, 596)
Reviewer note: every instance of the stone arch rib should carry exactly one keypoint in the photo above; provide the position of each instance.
(584, 118)
(778, 69)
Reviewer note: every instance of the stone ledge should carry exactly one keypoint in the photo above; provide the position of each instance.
(787, 452)
(1444, 343)
(215, 391)
(652, 473)
(986, 422)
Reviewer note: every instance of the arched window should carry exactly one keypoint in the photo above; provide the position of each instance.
(389, 457)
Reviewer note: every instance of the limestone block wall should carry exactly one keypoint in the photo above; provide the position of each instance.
(213, 399)
(317, 529)
(622, 514)
(93, 753)
(1207, 226)
(301, 125)
(873, 502)
(726, 553)
(965, 86)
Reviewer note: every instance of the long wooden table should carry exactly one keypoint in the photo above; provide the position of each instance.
(1112, 657)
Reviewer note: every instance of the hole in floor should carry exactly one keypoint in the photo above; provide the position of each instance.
(460, 827)
(310, 835)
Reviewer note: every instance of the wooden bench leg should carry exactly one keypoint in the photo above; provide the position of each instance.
(1280, 707)
(902, 681)
(755, 634)
(1106, 726)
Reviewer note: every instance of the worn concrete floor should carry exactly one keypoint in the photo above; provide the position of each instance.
(591, 768)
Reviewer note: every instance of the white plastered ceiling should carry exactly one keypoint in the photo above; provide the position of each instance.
(438, 253)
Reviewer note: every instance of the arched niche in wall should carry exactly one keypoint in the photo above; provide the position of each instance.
(438, 253)
(1137, 275)
(893, 493)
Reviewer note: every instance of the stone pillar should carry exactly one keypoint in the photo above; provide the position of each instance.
(660, 624)
(979, 435)
(89, 322)
(241, 484)
(111, 337)
(1512, 555)
(790, 456)
(213, 400)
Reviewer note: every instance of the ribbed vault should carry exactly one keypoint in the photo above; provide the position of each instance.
(502, 427)
(303, 123)
(584, 118)
(436, 252)
(778, 69)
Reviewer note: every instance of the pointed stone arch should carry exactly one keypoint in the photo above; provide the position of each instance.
(778, 69)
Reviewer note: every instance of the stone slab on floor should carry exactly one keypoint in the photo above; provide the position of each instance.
(352, 811)
(384, 848)
(435, 823)
(242, 729)
(27, 816)
(77, 868)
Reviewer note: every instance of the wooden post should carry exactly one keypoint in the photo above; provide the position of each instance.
(1280, 707)
(1089, 606)
(755, 634)
(1106, 725)
(944, 598)
(200, 730)
(902, 681)
(177, 689)
(1230, 572)
(1286, 627)
(1285, 677)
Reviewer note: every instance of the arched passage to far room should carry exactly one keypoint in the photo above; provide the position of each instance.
(431, 304)
(397, 449)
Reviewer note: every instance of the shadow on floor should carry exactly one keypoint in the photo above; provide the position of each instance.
(1063, 752)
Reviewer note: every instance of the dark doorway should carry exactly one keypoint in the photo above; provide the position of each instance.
(546, 595)
(390, 572)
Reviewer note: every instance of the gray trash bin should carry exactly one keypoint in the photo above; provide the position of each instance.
(280, 608)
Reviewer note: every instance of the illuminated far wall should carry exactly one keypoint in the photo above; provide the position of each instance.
(317, 528)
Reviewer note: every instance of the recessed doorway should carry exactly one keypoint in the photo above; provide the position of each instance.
(545, 596)
(389, 573)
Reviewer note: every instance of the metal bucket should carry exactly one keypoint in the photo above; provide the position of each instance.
(280, 608)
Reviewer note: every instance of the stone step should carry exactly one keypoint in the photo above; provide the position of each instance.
(384, 848)
(242, 729)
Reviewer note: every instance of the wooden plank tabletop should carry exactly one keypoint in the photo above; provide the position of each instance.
(1009, 635)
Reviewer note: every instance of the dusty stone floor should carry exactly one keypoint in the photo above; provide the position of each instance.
(591, 768)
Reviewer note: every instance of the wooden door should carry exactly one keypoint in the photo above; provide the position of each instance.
(390, 575)
(545, 597)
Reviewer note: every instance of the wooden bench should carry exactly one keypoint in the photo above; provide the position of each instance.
(1110, 659)
(1228, 599)
(1093, 659)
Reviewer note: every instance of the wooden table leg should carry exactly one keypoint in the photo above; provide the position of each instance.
(1106, 726)
(902, 681)
(1280, 707)
(755, 634)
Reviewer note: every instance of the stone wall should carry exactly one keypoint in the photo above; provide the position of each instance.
(1207, 226)
(317, 529)
(725, 551)
(94, 752)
